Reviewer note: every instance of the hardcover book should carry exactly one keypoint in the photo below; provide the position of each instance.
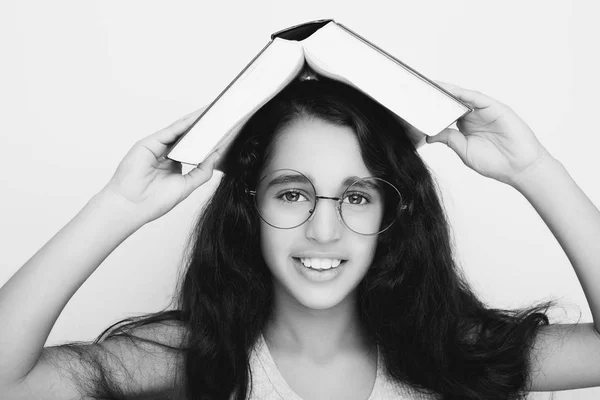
(332, 50)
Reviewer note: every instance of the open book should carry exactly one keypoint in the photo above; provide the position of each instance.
(331, 50)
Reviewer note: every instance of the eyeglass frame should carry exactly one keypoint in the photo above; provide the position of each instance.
(338, 200)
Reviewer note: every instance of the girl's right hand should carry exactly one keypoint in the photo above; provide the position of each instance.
(152, 185)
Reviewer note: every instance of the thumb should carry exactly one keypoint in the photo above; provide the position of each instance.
(202, 173)
(453, 139)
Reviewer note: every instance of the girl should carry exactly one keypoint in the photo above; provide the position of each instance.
(321, 268)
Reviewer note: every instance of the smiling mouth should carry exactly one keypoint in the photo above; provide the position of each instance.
(320, 264)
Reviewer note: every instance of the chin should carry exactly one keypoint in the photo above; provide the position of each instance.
(320, 299)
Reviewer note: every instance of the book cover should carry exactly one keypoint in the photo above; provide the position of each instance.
(336, 52)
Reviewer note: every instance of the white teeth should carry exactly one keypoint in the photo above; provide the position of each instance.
(320, 263)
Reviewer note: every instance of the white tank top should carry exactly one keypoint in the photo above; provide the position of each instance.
(269, 384)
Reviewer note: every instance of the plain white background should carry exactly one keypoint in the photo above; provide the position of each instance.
(80, 82)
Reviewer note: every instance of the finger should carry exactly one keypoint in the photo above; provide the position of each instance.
(475, 99)
(202, 173)
(453, 139)
(158, 142)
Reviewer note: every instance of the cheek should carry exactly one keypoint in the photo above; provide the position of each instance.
(266, 246)
(364, 251)
(273, 243)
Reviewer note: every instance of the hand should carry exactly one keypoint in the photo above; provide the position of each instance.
(153, 185)
(493, 140)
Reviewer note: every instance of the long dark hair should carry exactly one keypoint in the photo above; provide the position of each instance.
(435, 335)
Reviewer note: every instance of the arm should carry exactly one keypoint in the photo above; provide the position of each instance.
(496, 143)
(143, 188)
(573, 220)
(567, 356)
(32, 300)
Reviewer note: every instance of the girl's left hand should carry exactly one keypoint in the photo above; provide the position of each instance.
(493, 140)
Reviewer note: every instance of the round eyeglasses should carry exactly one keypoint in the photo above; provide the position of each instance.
(286, 199)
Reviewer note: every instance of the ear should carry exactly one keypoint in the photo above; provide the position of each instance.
(409, 207)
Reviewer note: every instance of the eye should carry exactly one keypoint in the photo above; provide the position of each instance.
(357, 199)
(292, 196)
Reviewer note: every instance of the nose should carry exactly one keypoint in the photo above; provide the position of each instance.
(325, 224)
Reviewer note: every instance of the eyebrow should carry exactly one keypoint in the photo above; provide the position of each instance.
(288, 179)
(295, 178)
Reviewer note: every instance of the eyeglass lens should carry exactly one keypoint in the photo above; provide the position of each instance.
(286, 199)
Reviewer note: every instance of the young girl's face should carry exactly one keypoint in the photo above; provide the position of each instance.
(328, 155)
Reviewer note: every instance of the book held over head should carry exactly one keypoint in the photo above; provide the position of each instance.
(325, 48)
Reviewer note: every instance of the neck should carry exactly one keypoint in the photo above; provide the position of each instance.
(316, 334)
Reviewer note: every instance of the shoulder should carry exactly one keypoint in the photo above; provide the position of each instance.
(121, 366)
(565, 356)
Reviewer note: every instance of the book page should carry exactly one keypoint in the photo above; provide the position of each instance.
(273, 69)
(336, 53)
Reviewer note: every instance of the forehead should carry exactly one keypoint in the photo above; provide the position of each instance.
(327, 152)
